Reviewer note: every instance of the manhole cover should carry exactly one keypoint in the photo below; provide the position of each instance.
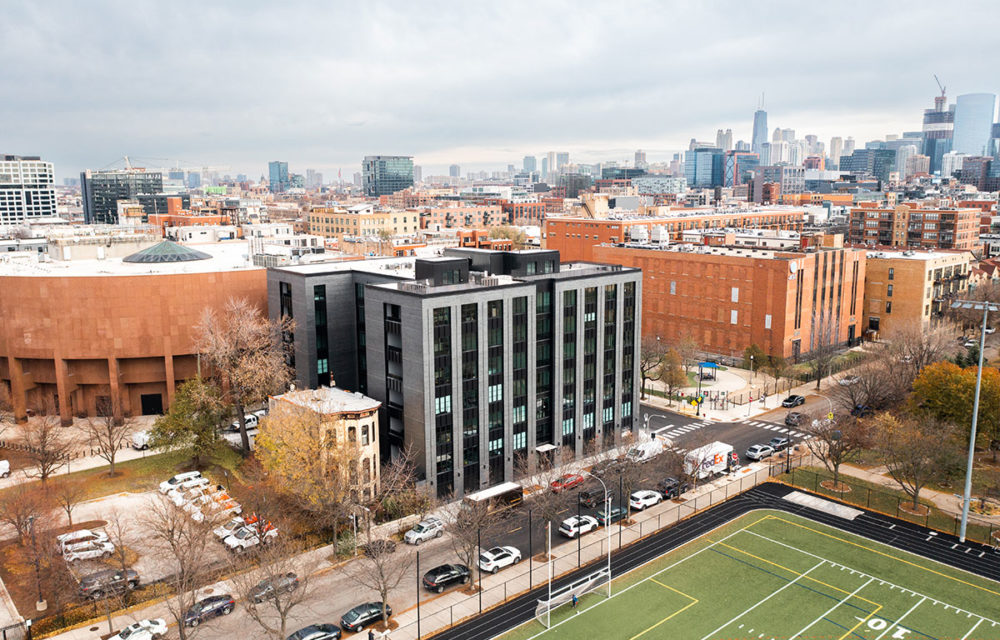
(93, 629)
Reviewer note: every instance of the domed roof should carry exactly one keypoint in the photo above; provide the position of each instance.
(166, 251)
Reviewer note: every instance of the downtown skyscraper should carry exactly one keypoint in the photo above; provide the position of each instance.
(759, 130)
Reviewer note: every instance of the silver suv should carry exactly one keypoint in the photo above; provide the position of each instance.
(426, 529)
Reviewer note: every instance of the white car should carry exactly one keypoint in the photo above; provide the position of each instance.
(140, 440)
(188, 490)
(175, 482)
(142, 630)
(87, 551)
(4, 468)
(847, 381)
(572, 527)
(247, 538)
(426, 529)
(79, 536)
(250, 419)
(639, 500)
(760, 451)
(497, 558)
(227, 529)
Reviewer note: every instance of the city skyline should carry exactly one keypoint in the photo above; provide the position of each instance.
(332, 85)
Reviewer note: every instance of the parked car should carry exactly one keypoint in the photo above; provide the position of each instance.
(323, 631)
(426, 529)
(80, 535)
(968, 344)
(142, 630)
(175, 482)
(210, 607)
(672, 488)
(247, 538)
(573, 526)
(605, 467)
(759, 451)
(250, 419)
(87, 551)
(140, 440)
(109, 581)
(616, 514)
(862, 411)
(847, 381)
(643, 498)
(497, 558)
(990, 330)
(188, 490)
(378, 547)
(270, 587)
(779, 443)
(591, 499)
(363, 615)
(227, 529)
(794, 419)
(566, 481)
(793, 401)
(447, 574)
(4, 468)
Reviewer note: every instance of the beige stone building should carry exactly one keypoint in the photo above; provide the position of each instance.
(362, 220)
(911, 288)
(353, 418)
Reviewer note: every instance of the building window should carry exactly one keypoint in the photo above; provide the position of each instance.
(364, 434)
(733, 316)
(673, 287)
(888, 306)
(767, 321)
(892, 273)
(735, 293)
(888, 291)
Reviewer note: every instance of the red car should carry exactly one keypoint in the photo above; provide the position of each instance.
(566, 481)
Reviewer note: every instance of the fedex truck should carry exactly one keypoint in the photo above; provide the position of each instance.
(711, 459)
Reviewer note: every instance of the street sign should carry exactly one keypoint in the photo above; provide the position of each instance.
(829, 416)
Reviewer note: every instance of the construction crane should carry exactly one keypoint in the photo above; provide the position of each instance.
(940, 86)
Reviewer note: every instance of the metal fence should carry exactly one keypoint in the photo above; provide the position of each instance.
(18, 631)
(893, 504)
(435, 616)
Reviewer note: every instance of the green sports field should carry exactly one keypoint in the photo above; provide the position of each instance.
(773, 576)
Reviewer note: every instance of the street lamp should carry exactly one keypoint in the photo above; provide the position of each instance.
(752, 370)
(645, 422)
(986, 307)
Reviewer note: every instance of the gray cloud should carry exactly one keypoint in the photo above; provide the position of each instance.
(322, 84)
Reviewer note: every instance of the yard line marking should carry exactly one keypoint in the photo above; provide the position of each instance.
(900, 618)
(974, 628)
(786, 585)
(804, 629)
(693, 602)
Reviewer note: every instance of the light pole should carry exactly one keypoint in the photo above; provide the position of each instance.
(753, 372)
(645, 424)
(986, 308)
(607, 528)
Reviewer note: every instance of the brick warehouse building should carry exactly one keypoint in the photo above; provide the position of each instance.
(915, 225)
(730, 298)
(79, 331)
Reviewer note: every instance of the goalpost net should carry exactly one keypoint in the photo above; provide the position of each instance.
(564, 595)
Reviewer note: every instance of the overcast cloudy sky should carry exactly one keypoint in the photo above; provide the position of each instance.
(322, 84)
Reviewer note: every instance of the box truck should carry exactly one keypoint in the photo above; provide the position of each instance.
(710, 460)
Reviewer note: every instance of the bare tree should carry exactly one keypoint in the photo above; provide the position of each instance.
(777, 367)
(671, 373)
(875, 383)
(824, 345)
(381, 569)
(20, 505)
(68, 496)
(470, 523)
(651, 354)
(119, 531)
(398, 494)
(47, 446)
(543, 470)
(6, 409)
(836, 441)
(688, 349)
(912, 348)
(247, 352)
(182, 547)
(107, 435)
(916, 451)
(276, 564)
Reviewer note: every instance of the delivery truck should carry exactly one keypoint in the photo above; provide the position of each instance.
(710, 460)
(648, 449)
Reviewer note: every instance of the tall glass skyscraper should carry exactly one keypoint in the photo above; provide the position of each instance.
(385, 175)
(759, 130)
(277, 176)
(975, 114)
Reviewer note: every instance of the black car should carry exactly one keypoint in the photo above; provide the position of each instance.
(671, 488)
(793, 401)
(325, 631)
(591, 499)
(779, 443)
(862, 411)
(210, 607)
(110, 581)
(617, 513)
(447, 574)
(378, 547)
(363, 615)
(272, 586)
(794, 419)
(603, 467)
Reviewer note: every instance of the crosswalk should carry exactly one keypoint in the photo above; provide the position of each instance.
(670, 431)
(770, 426)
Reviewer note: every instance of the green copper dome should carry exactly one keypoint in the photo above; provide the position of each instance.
(166, 251)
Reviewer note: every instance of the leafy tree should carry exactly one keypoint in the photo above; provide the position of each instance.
(916, 451)
(776, 367)
(246, 351)
(754, 357)
(193, 421)
(515, 235)
(672, 373)
(946, 393)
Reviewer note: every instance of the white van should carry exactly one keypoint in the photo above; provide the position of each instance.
(4, 468)
(140, 440)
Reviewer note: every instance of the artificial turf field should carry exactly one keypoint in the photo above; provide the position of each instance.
(774, 576)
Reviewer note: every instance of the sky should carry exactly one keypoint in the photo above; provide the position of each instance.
(322, 84)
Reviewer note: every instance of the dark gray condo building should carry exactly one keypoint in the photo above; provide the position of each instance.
(477, 356)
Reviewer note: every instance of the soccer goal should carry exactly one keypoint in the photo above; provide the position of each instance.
(564, 595)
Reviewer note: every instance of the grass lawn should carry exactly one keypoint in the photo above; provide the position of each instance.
(772, 575)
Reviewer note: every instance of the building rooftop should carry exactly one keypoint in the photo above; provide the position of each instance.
(222, 256)
(914, 255)
(401, 267)
(327, 400)
(167, 251)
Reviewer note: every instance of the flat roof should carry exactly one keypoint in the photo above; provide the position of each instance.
(914, 254)
(327, 400)
(223, 256)
(401, 267)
